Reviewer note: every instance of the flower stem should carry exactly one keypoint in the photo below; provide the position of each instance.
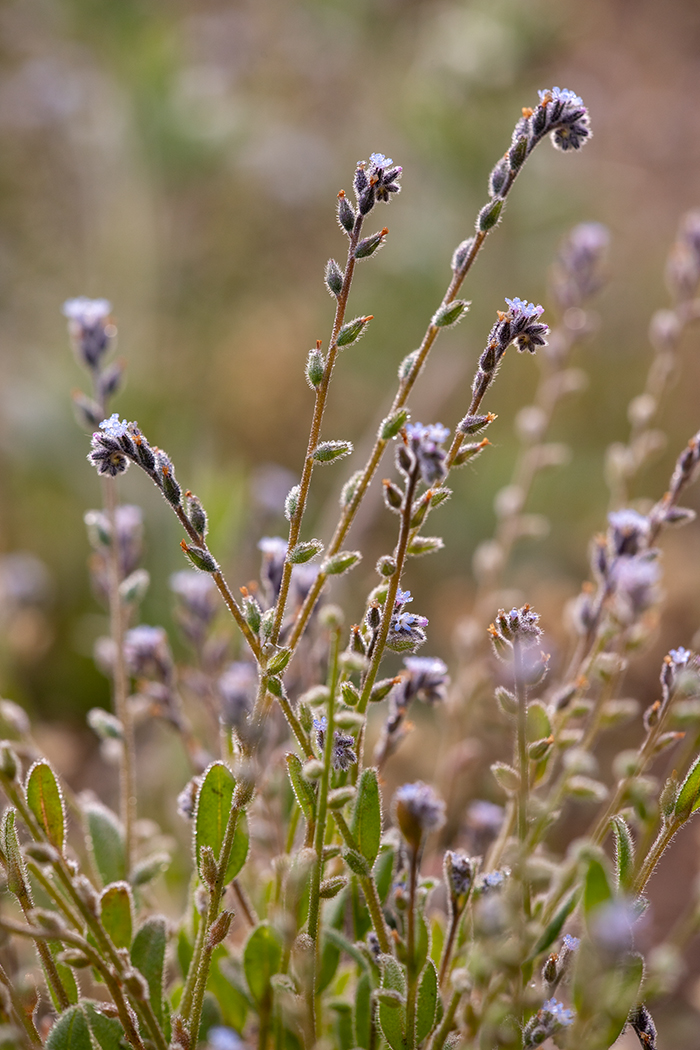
(411, 968)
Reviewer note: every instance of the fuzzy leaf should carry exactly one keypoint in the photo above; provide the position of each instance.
(556, 924)
(70, 1031)
(393, 1021)
(213, 807)
(116, 912)
(106, 1031)
(106, 837)
(597, 889)
(367, 816)
(624, 852)
(303, 792)
(262, 957)
(12, 857)
(148, 956)
(426, 1005)
(689, 794)
(363, 1012)
(46, 802)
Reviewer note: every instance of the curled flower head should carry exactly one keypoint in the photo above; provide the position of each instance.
(425, 445)
(106, 455)
(406, 630)
(376, 181)
(343, 756)
(88, 328)
(635, 582)
(562, 113)
(521, 325)
(680, 670)
(418, 811)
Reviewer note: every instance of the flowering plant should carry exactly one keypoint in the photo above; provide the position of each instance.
(315, 916)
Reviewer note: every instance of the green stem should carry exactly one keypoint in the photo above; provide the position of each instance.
(411, 968)
(447, 1022)
(315, 431)
(369, 888)
(216, 895)
(662, 840)
(523, 767)
(120, 679)
(388, 610)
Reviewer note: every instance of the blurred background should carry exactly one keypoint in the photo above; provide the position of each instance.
(183, 160)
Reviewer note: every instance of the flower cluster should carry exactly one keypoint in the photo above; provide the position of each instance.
(343, 755)
(549, 1019)
(89, 329)
(562, 114)
(424, 444)
(376, 181)
(406, 630)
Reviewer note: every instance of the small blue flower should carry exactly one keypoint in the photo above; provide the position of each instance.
(425, 442)
(87, 312)
(557, 1014)
(380, 161)
(569, 943)
(418, 811)
(556, 94)
(114, 427)
(521, 308)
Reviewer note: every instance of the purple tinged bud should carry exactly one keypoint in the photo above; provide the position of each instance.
(475, 424)
(111, 379)
(499, 176)
(461, 254)
(346, 213)
(196, 514)
(167, 480)
(333, 278)
(518, 152)
(89, 329)
(87, 412)
(489, 215)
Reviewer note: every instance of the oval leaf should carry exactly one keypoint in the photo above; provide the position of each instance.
(426, 1006)
(148, 956)
(116, 913)
(367, 816)
(106, 839)
(46, 802)
(689, 794)
(262, 957)
(303, 792)
(70, 1032)
(597, 889)
(213, 808)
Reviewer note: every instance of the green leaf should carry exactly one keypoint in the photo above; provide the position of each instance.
(332, 942)
(367, 816)
(624, 996)
(46, 802)
(363, 1012)
(214, 803)
(12, 856)
(422, 940)
(262, 957)
(596, 890)
(689, 795)
(384, 871)
(106, 839)
(555, 926)
(148, 956)
(393, 1021)
(232, 1004)
(538, 723)
(67, 977)
(116, 912)
(70, 1032)
(426, 1004)
(303, 792)
(624, 852)
(107, 1031)
(343, 1025)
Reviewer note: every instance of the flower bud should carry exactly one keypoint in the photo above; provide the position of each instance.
(490, 214)
(333, 278)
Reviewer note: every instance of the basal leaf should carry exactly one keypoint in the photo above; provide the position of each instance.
(262, 957)
(148, 956)
(106, 839)
(214, 803)
(70, 1032)
(426, 1004)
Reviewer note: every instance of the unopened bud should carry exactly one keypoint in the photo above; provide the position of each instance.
(218, 931)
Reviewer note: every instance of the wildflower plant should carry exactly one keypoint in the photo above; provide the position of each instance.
(334, 929)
